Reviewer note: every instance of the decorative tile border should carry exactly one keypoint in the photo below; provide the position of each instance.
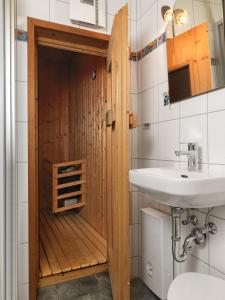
(21, 35)
(136, 56)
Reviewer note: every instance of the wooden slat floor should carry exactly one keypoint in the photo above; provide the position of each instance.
(68, 243)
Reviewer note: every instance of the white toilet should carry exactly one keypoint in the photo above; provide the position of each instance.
(196, 286)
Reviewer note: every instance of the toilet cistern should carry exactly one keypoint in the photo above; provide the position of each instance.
(192, 155)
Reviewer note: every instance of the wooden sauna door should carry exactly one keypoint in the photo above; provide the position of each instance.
(117, 120)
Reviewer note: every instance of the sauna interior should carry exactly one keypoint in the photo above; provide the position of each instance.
(72, 156)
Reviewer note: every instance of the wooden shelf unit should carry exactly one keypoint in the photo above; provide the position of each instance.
(68, 184)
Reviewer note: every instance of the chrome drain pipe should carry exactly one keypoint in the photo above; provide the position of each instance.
(176, 235)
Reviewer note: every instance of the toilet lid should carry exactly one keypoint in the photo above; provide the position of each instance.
(196, 286)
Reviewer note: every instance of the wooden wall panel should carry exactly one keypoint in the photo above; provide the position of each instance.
(192, 48)
(53, 117)
(87, 130)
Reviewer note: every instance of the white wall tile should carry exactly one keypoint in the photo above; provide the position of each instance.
(133, 9)
(133, 35)
(177, 269)
(216, 273)
(139, 76)
(59, 12)
(134, 165)
(168, 112)
(194, 129)
(162, 63)
(216, 13)
(21, 61)
(110, 19)
(169, 164)
(131, 241)
(135, 239)
(21, 99)
(149, 102)
(23, 292)
(216, 127)
(134, 143)
(194, 265)
(134, 77)
(219, 211)
(23, 263)
(139, 40)
(23, 223)
(138, 9)
(201, 12)
(168, 140)
(140, 142)
(193, 106)
(150, 142)
(22, 142)
(149, 70)
(22, 185)
(217, 245)
(145, 5)
(35, 9)
(149, 163)
(114, 6)
(216, 100)
(135, 207)
(149, 26)
(134, 267)
(134, 103)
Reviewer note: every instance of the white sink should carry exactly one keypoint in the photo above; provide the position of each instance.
(181, 188)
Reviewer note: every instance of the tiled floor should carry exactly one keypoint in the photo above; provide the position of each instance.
(92, 288)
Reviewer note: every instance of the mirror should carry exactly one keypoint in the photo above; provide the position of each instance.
(195, 47)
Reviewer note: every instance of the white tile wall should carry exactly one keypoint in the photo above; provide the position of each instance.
(23, 263)
(58, 11)
(194, 106)
(168, 140)
(21, 114)
(22, 142)
(217, 245)
(149, 25)
(200, 119)
(21, 61)
(149, 71)
(22, 184)
(28, 8)
(216, 100)
(216, 133)
(194, 129)
(149, 100)
(150, 142)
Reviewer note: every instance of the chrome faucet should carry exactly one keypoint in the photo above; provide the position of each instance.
(192, 155)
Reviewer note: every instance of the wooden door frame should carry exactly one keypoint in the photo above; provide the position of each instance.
(61, 37)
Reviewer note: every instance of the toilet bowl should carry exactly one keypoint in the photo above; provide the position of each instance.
(196, 286)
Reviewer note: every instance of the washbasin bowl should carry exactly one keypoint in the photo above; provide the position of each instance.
(181, 188)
